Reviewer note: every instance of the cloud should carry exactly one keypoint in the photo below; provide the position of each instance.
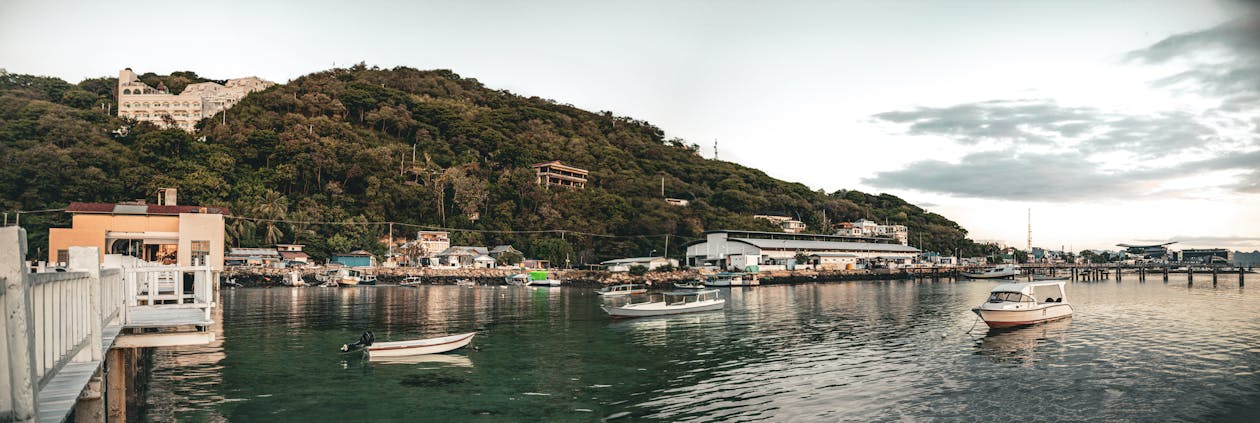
(1037, 149)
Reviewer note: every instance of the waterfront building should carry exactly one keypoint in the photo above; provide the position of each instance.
(165, 233)
(789, 225)
(556, 173)
(293, 254)
(500, 250)
(434, 242)
(651, 263)
(771, 249)
(462, 256)
(834, 261)
(1207, 255)
(483, 262)
(265, 257)
(139, 101)
(356, 258)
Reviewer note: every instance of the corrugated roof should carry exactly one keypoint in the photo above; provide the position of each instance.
(141, 209)
(834, 255)
(786, 244)
(261, 252)
(631, 260)
(293, 254)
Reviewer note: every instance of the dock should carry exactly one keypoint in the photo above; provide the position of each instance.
(60, 327)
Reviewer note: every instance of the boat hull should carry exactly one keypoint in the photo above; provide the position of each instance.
(1011, 318)
(660, 309)
(348, 281)
(547, 282)
(1003, 275)
(420, 347)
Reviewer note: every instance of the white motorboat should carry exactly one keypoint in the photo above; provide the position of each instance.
(623, 289)
(1018, 304)
(409, 348)
(465, 283)
(340, 277)
(294, 279)
(726, 279)
(517, 279)
(541, 278)
(411, 281)
(677, 302)
(695, 284)
(998, 272)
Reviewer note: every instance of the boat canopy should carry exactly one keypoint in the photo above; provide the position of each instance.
(1027, 287)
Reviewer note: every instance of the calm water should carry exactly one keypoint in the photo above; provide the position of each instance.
(819, 352)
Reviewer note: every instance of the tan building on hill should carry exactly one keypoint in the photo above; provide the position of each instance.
(556, 173)
(165, 233)
(141, 102)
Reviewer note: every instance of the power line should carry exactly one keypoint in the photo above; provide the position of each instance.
(561, 232)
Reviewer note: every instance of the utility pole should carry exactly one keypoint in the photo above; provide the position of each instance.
(391, 240)
(662, 186)
(1030, 234)
(666, 246)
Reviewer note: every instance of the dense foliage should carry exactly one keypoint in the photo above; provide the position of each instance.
(364, 145)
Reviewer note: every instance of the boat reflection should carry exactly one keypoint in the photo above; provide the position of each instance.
(451, 360)
(1022, 344)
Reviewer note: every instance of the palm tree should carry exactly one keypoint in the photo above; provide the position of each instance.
(273, 208)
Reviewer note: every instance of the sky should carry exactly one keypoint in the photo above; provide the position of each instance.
(1107, 121)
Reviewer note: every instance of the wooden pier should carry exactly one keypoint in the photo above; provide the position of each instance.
(59, 327)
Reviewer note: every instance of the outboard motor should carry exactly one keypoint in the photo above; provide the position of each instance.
(365, 340)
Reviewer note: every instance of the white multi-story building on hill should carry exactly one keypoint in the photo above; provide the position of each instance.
(141, 102)
(868, 228)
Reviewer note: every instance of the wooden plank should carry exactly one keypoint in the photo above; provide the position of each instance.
(164, 339)
(159, 317)
(59, 396)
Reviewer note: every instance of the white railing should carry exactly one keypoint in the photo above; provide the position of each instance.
(168, 287)
(113, 296)
(60, 302)
(50, 320)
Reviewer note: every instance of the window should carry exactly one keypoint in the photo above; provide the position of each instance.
(200, 252)
(63, 256)
(128, 91)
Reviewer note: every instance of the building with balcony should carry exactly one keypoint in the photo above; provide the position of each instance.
(789, 225)
(556, 173)
(166, 233)
(139, 101)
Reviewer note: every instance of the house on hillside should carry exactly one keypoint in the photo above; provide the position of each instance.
(556, 173)
(789, 225)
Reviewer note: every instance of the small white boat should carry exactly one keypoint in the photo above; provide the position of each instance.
(677, 302)
(413, 347)
(998, 272)
(340, 277)
(541, 278)
(623, 289)
(411, 281)
(466, 283)
(1017, 304)
(517, 279)
(696, 284)
(726, 279)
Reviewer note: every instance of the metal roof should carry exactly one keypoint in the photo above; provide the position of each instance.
(141, 209)
(787, 244)
(631, 260)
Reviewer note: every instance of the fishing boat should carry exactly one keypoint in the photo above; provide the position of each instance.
(997, 272)
(727, 279)
(692, 284)
(409, 348)
(411, 281)
(294, 279)
(676, 302)
(541, 278)
(623, 289)
(364, 277)
(1018, 304)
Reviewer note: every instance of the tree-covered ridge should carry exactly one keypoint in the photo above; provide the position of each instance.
(428, 148)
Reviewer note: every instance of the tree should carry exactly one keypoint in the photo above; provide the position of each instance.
(509, 258)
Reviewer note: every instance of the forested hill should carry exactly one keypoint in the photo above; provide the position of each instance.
(338, 146)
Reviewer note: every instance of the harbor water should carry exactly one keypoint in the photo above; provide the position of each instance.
(864, 351)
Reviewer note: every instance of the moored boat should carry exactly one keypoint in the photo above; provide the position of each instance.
(466, 283)
(409, 348)
(411, 281)
(726, 279)
(692, 284)
(666, 303)
(517, 279)
(1017, 304)
(997, 272)
(364, 277)
(542, 278)
(623, 289)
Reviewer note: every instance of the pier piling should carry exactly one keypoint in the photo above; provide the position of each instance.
(1190, 275)
(1214, 276)
(1165, 273)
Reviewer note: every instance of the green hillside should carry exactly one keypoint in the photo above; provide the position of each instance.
(338, 146)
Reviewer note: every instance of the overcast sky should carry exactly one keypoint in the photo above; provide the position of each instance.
(1112, 120)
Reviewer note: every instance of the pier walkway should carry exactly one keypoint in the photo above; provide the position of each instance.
(59, 326)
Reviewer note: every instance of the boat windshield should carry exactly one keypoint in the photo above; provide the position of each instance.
(1009, 297)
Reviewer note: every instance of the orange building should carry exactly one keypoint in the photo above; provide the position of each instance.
(165, 233)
